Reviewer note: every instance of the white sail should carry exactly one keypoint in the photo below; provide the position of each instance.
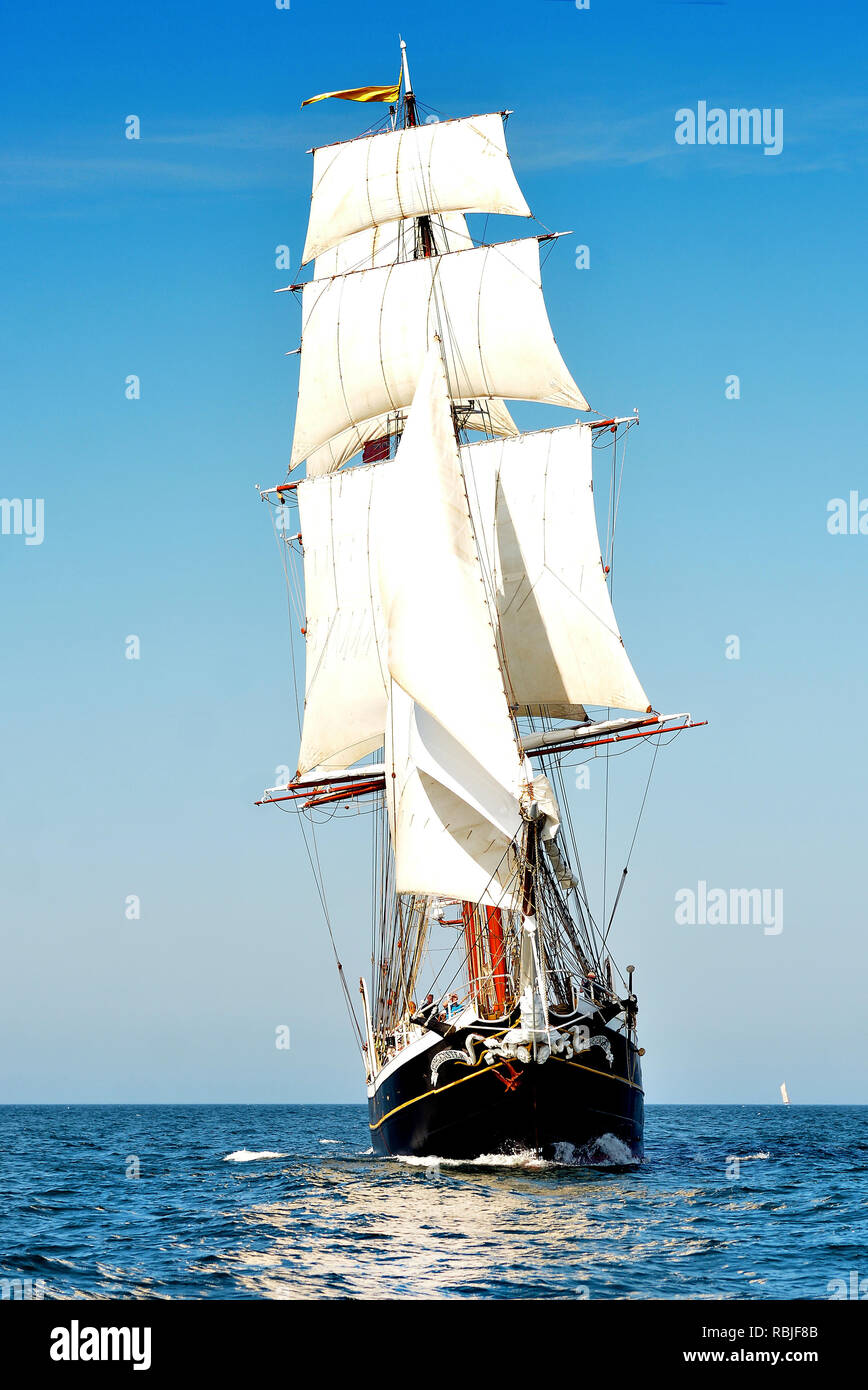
(448, 166)
(393, 241)
(441, 644)
(533, 506)
(346, 684)
(365, 336)
(451, 745)
(453, 826)
(784, 1095)
(490, 415)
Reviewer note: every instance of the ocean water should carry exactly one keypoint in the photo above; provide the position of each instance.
(259, 1201)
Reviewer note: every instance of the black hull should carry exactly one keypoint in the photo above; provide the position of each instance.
(559, 1109)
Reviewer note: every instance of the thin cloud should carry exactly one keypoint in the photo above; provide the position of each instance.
(251, 133)
(228, 156)
(50, 172)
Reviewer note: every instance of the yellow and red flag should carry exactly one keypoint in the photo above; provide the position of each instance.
(389, 94)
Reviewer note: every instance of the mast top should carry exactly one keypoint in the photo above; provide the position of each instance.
(410, 113)
(408, 87)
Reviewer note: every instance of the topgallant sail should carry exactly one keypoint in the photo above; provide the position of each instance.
(458, 627)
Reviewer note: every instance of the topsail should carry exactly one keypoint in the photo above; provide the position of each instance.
(448, 166)
(365, 336)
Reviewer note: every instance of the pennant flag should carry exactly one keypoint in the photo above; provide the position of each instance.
(389, 94)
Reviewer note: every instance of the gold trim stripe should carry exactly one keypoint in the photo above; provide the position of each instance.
(438, 1091)
(610, 1076)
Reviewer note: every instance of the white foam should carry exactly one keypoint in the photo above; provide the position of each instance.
(743, 1158)
(606, 1152)
(525, 1159)
(329, 1141)
(249, 1155)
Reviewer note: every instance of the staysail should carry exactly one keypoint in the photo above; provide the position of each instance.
(454, 771)
(532, 500)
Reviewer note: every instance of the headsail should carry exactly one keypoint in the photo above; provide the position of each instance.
(449, 166)
(453, 825)
(532, 499)
(453, 766)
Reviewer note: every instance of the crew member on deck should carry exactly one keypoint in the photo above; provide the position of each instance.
(426, 1012)
(431, 1016)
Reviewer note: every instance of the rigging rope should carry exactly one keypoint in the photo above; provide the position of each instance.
(313, 857)
(633, 841)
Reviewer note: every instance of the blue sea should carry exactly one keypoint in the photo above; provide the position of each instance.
(278, 1202)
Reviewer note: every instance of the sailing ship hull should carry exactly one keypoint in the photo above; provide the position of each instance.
(561, 1109)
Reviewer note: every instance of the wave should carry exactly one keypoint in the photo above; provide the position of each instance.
(743, 1158)
(606, 1152)
(250, 1155)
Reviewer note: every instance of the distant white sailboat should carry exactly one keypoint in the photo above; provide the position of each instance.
(784, 1097)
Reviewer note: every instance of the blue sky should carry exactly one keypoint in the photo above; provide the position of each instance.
(156, 258)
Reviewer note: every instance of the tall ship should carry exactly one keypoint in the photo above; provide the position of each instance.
(462, 655)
